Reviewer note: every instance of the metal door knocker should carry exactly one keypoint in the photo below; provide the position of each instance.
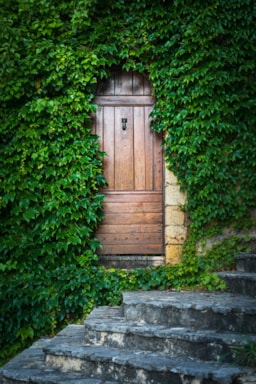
(124, 124)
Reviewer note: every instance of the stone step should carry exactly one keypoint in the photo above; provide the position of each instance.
(116, 332)
(29, 367)
(69, 360)
(195, 310)
(246, 262)
(240, 282)
(138, 367)
(130, 261)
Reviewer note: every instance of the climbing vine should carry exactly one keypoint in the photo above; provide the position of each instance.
(209, 112)
(200, 57)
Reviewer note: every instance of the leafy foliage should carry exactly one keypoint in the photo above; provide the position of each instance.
(194, 272)
(51, 173)
(201, 58)
(208, 109)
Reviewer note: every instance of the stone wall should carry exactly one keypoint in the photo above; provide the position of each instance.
(175, 219)
(176, 225)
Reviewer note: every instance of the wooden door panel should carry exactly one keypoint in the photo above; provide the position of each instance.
(135, 196)
(132, 238)
(139, 85)
(124, 100)
(135, 218)
(149, 145)
(107, 121)
(132, 249)
(130, 219)
(133, 207)
(124, 149)
(136, 228)
(158, 163)
(139, 149)
(123, 84)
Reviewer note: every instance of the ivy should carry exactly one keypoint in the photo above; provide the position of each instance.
(200, 57)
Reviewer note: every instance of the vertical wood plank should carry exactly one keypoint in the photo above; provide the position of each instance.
(109, 146)
(158, 162)
(138, 84)
(106, 87)
(148, 150)
(124, 149)
(123, 84)
(139, 149)
(148, 91)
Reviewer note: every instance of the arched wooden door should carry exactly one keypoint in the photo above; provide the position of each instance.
(133, 167)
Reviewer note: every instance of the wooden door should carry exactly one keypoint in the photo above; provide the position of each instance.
(133, 167)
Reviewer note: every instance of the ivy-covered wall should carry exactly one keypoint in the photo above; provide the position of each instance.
(200, 56)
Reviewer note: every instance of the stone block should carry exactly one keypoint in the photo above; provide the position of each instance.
(175, 234)
(173, 195)
(174, 215)
(170, 178)
(173, 253)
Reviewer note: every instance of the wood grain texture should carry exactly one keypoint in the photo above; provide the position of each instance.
(124, 100)
(132, 219)
(133, 167)
(124, 150)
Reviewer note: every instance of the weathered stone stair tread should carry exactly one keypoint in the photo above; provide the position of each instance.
(217, 301)
(181, 333)
(246, 262)
(246, 255)
(239, 275)
(156, 337)
(116, 360)
(29, 367)
(198, 310)
(243, 282)
(106, 312)
(62, 353)
(206, 344)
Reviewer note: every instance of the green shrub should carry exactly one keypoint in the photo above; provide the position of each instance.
(197, 272)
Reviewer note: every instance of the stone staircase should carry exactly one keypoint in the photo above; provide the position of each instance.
(155, 337)
(242, 281)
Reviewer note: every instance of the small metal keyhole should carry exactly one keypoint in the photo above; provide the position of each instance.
(124, 124)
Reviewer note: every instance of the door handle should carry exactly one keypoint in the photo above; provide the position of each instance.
(124, 124)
